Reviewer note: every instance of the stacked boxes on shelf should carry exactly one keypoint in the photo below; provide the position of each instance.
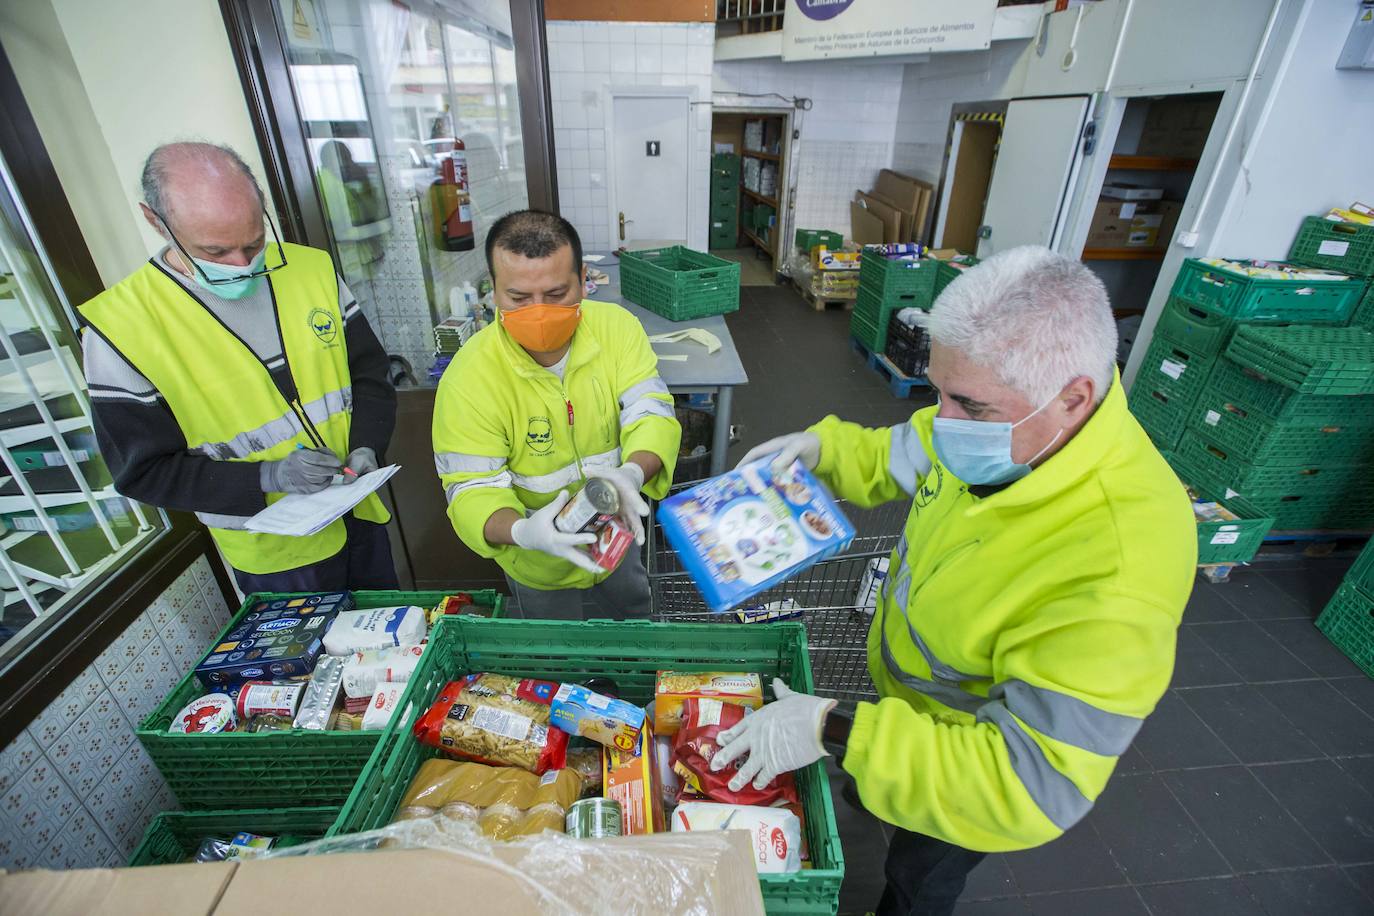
(1209, 301)
(1348, 620)
(889, 282)
(724, 231)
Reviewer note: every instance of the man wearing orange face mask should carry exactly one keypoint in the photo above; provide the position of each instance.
(558, 390)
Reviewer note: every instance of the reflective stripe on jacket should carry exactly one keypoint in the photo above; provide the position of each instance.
(224, 398)
(1021, 638)
(508, 434)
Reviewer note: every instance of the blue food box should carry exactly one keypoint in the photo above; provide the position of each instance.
(277, 638)
(747, 530)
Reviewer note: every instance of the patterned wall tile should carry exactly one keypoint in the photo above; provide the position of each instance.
(66, 709)
(16, 759)
(80, 844)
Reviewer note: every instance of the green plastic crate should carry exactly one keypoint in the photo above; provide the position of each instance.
(1246, 386)
(946, 273)
(1251, 436)
(873, 338)
(806, 239)
(1219, 473)
(679, 283)
(1349, 511)
(1161, 416)
(174, 836)
(1201, 329)
(725, 164)
(1233, 541)
(1361, 575)
(631, 654)
(728, 238)
(1347, 247)
(1265, 299)
(897, 277)
(1174, 369)
(1363, 316)
(724, 208)
(1335, 361)
(1348, 621)
(261, 769)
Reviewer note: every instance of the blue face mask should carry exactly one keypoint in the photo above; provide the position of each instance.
(242, 285)
(979, 451)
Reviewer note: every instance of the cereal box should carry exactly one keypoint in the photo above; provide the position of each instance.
(634, 782)
(614, 723)
(675, 687)
(745, 531)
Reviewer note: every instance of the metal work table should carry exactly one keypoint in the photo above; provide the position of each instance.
(701, 373)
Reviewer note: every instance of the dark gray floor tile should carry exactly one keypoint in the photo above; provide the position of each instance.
(865, 849)
(1173, 737)
(1312, 647)
(1260, 598)
(1309, 588)
(1077, 860)
(1196, 665)
(1324, 715)
(1335, 809)
(991, 878)
(1252, 727)
(1210, 897)
(1252, 652)
(1150, 835)
(1010, 906)
(1361, 769)
(1358, 690)
(1362, 876)
(1208, 604)
(1133, 761)
(1242, 819)
(1118, 901)
(1308, 892)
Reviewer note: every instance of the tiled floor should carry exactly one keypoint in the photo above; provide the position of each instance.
(1251, 788)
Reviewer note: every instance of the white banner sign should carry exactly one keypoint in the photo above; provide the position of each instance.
(814, 29)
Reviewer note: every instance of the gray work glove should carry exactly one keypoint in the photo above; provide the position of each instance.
(306, 470)
(360, 461)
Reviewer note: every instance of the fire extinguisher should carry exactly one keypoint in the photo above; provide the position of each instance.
(451, 203)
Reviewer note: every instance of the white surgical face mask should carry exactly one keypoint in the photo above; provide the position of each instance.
(979, 451)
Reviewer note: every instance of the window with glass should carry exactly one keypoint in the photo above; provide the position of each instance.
(63, 528)
(412, 119)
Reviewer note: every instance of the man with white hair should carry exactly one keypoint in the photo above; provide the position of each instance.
(232, 369)
(1028, 620)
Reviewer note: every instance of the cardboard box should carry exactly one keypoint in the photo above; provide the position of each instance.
(713, 873)
(1177, 127)
(634, 781)
(1132, 224)
(606, 720)
(865, 228)
(673, 688)
(890, 216)
(909, 195)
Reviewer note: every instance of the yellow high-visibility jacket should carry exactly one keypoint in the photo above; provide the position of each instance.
(508, 434)
(1021, 638)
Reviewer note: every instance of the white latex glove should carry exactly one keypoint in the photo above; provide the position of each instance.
(803, 445)
(783, 736)
(627, 480)
(537, 532)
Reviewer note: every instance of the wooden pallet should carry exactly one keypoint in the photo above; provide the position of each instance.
(821, 303)
(898, 383)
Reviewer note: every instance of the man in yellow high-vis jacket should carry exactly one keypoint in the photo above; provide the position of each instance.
(559, 389)
(232, 369)
(1028, 621)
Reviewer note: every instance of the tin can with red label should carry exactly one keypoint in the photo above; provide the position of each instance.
(270, 698)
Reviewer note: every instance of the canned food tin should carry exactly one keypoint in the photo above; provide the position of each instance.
(271, 698)
(593, 818)
(597, 497)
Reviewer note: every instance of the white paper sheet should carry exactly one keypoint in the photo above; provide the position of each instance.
(302, 514)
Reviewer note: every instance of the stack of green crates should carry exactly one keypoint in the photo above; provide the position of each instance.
(1348, 620)
(1334, 245)
(950, 268)
(886, 286)
(724, 230)
(806, 239)
(175, 836)
(1206, 306)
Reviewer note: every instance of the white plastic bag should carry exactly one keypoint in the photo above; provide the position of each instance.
(775, 832)
(363, 671)
(375, 628)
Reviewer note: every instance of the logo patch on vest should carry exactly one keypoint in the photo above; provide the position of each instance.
(539, 435)
(323, 325)
(930, 488)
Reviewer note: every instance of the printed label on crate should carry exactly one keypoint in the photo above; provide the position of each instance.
(1172, 369)
(1333, 248)
(1226, 537)
(1230, 494)
(1212, 418)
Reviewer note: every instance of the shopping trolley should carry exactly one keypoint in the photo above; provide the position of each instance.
(827, 595)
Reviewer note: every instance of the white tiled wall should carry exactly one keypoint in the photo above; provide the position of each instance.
(76, 788)
(585, 58)
(846, 137)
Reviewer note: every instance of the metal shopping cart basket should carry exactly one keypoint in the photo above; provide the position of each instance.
(827, 593)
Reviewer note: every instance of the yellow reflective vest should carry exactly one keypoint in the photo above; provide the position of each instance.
(1020, 638)
(223, 397)
(509, 435)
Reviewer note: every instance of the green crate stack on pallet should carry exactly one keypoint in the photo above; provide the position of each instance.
(1348, 620)
(806, 239)
(950, 268)
(724, 231)
(887, 285)
(1209, 301)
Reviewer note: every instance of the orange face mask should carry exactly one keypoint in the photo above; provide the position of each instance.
(542, 328)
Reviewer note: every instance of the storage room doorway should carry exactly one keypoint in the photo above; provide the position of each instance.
(749, 169)
(974, 136)
(649, 154)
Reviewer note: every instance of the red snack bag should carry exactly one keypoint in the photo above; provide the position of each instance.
(496, 720)
(703, 719)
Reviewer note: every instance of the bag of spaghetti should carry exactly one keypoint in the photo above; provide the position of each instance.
(505, 802)
(496, 720)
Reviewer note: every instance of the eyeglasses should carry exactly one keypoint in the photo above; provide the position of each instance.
(224, 281)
